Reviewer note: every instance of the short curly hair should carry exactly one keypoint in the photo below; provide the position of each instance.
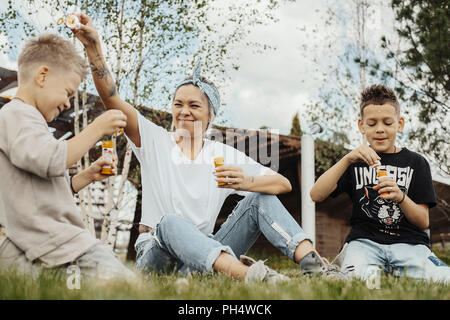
(378, 94)
(53, 50)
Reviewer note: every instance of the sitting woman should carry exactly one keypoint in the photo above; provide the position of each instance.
(182, 194)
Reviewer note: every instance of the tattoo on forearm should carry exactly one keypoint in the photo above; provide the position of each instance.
(100, 72)
(91, 40)
(112, 90)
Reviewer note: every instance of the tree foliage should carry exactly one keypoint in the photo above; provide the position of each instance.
(413, 60)
(326, 155)
(296, 130)
(175, 32)
(341, 69)
(422, 73)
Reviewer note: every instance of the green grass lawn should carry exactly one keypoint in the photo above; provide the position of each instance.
(52, 285)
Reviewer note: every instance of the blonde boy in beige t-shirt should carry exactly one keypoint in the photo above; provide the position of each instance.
(42, 222)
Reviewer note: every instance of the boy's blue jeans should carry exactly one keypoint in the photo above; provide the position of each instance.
(177, 245)
(401, 259)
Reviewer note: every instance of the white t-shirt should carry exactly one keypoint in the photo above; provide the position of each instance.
(174, 184)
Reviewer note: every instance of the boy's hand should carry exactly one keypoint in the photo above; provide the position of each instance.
(363, 153)
(110, 122)
(94, 171)
(86, 33)
(389, 187)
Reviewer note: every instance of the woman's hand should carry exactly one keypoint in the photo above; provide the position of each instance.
(86, 33)
(233, 178)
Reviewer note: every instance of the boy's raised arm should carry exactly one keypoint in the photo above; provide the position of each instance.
(105, 124)
(327, 182)
(103, 79)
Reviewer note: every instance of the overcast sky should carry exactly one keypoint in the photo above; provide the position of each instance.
(270, 88)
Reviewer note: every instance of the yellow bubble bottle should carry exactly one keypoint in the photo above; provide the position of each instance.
(108, 152)
(218, 162)
(382, 173)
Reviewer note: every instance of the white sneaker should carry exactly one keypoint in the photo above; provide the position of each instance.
(259, 272)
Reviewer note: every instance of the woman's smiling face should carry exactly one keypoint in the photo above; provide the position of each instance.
(190, 111)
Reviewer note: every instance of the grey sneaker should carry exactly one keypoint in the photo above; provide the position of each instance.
(311, 264)
(258, 272)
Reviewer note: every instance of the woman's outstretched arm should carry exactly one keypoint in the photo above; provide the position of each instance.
(103, 80)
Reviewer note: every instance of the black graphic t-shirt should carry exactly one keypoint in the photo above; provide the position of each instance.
(379, 219)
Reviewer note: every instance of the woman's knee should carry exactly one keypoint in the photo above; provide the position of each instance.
(174, 228)
(152, 258)
(169, 222)
(259, 198)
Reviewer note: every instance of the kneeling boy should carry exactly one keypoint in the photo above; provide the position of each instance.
(43, 224)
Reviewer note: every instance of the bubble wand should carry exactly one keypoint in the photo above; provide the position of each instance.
(108, 151)
(71, 20)
(376, 166)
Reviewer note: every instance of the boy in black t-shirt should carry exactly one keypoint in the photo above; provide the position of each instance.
(390, 213)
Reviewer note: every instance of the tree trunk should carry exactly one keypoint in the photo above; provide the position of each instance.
(361, 6)
(108, 208)
(76, 107)
(119, 53)
(131, 254)
(107, 219)
(134, 232)
(87, 191)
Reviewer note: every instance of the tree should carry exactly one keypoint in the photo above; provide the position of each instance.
(341, 69)
(174, 32)
(422, 73)
(296, 130)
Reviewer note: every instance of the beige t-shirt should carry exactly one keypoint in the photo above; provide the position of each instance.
(37, 207)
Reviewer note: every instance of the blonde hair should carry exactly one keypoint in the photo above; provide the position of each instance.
(53, 50)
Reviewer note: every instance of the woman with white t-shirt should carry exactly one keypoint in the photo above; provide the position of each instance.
(181, 198)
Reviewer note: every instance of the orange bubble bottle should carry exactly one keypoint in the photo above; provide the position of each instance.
(382, 173)
(108, 152)
(218, 162)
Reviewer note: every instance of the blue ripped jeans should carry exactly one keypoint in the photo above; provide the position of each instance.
(400, 259)
(177, 245)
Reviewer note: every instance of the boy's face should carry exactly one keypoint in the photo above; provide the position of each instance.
(56, 87)
(380, 124)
